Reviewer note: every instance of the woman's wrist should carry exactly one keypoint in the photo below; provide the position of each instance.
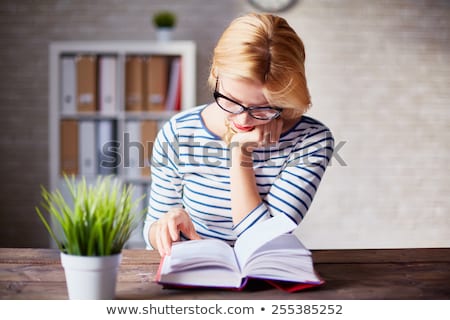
(151, 235)
(241, 155)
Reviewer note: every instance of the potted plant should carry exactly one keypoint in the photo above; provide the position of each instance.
(90, 230)
(164, 21)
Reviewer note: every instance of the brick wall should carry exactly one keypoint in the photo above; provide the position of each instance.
(379, 75)
(378, 72)
(26, 29)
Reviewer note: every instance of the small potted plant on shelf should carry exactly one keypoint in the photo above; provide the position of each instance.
(90, 230)
(165, 22)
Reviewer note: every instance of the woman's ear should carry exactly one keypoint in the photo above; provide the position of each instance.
(214, 72)
(212, 78)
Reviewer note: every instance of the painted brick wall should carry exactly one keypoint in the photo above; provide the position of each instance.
(26, 29)
(379, 75)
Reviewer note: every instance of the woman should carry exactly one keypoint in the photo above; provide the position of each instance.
(218, 169)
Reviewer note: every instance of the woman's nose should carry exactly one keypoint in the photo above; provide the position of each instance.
(244, 118)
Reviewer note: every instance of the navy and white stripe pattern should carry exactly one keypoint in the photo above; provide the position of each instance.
(190, 170)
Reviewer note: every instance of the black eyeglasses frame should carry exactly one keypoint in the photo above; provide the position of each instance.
(218, 95)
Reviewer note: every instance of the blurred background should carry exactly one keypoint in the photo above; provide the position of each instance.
(379, 76)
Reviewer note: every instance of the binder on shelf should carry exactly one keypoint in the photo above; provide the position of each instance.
(134, 83)
(155, 75)
(87, 149)
(139, 137)
(132, 150)
(174, 91)
(179, 87)
(149, 130)
(107, 84)
(107, 147)
(86, 83)
(69, 147)
(68, 85)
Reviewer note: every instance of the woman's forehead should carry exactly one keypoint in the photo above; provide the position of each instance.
(243, 91)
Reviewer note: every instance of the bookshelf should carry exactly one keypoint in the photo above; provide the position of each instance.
(107, 99)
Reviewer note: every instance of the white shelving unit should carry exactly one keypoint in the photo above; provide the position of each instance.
(120, 49)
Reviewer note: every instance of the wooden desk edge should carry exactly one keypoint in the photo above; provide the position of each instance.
(142, 256)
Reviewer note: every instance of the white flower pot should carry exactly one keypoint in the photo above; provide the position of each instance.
(164, 34)
(91, 278)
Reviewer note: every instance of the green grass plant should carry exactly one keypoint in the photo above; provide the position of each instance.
(164, 19)
(99, 222)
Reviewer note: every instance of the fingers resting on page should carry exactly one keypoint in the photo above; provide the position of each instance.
(168, 228)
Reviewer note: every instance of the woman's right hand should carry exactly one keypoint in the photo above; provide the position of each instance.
(167, 230)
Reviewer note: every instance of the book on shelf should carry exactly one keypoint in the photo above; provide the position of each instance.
(86, 82)
(267, 252)
(155, 75)
(132, 148)
(174, 90)
(107, 84)
(89, 83)
(139, 138)
(69, 147)
(134, 83)
(87, 148)
(179, 86)
(68, 85)
(107, 147)
(149, 131)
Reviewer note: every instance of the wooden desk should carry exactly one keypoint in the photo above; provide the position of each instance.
(350, 274)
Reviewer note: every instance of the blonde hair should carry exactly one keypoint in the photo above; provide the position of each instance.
(264, 48)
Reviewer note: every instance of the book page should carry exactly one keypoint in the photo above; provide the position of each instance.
(203, 277)
(284, 258)
(259, 234)
(201, 263)
(194, 254)
(284, 244)
(285, 268)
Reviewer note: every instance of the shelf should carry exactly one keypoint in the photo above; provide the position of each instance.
(88, 116)
(129, 115)
(148, 115)
(72, 131)
(138, 181)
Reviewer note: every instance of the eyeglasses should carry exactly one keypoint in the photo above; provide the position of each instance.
(234, 107)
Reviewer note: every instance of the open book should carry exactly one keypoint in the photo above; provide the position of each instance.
(267, 251)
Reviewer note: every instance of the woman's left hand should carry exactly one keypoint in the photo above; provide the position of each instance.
(261, 135)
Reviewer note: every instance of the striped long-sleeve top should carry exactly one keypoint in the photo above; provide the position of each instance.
(190, 169)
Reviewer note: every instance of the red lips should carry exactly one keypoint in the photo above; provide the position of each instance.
(243, 128)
